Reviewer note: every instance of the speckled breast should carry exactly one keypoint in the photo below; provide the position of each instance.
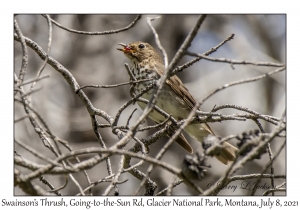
(141, 73)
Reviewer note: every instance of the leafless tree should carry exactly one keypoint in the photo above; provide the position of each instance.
(77, 129)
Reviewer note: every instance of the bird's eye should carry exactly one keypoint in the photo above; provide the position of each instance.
(141, 46)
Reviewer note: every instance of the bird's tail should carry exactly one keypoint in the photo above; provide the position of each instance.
(227, 153)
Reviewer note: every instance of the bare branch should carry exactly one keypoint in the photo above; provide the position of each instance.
(97, 32)
(253, 79)
(164, 190)
(27, 186)
(112, 86)
(48, 51)
(86, 164)
(236, 62)
(212, 50)
(46, 182)
(187, 42)
(267, 166)
(69, 163)
(34, 80)
(24, 52)
(166, 62)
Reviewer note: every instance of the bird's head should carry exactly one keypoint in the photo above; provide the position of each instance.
(140, 52)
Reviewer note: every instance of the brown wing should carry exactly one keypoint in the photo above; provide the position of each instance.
(177, 86)
(181, 140)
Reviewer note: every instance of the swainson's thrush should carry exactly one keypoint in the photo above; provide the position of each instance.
(174, 99)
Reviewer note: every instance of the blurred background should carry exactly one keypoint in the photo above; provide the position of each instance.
(95, 60)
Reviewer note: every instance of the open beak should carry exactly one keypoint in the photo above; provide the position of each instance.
(126, 48)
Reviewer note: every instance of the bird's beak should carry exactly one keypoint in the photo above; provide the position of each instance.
(125, 49)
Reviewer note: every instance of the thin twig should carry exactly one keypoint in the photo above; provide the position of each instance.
(97, 32)
(27, 186)
(106, 179)
(66, 145)
(243, 81)
(123, 107)
(21, 118)
(41, 119)
(132, 77)
(157, 40)
(187, 42)
(212, 50)
(112, 86)
(46, 182)
(267, 166)
(48, 51)
(34, 80)
(216, 108)
(134, 166)
(32, 91)
(129, 118)
(36, 125)
(164, 190)
(271, 165)
(141, 144)
(236, 62)
(104, 125)
(254, 176)
(170, 186)
(24, 53)
(55, 190)
(267, 192)
(36, 153)
(86, 164)
(116, 177)
(155, 126)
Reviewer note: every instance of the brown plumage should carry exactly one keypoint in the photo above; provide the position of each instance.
(174, 99)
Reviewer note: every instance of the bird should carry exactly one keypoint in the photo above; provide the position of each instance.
(175, 99)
